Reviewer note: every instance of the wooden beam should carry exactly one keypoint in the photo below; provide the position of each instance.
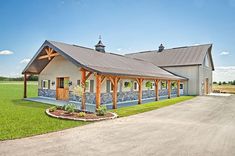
(178, 88)
(143, 77)
(115, 87)
(46, 56)
(102, 78)
(83, 82)
(111, 80)
(140, 82)
(88, 75)
(98, 90)
(25, 85)
(156, 89)
(169, 88)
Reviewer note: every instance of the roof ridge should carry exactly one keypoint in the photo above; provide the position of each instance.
(71, 44)
(148, 51)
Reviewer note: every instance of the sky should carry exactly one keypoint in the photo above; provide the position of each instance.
(125, 26)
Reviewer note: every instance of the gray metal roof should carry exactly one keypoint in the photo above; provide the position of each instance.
(181, 56)
(104, 63)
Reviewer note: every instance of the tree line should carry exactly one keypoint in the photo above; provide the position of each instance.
(224, 83)
(30, 78)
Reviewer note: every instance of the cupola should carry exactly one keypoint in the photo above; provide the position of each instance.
(100, 47)
(161, 48)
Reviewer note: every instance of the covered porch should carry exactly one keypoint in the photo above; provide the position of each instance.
(116, 100)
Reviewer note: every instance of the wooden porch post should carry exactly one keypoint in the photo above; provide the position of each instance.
(178, 88)
(140, 82)
(98, 90)
(83, 82)
(115, 87)
(156, 90)
(25, 85)
(169, 88)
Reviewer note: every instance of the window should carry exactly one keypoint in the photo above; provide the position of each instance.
(87, 85)
(163, 85)
(61, 82)
(149, 85)
(45, 84)
(181, 86)
(78, 82)
(108, 86)
(135, 86)
(111, 86)
(92, 86)
(173, 85)
(127, 84)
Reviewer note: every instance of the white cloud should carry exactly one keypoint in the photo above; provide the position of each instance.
(224, 53)
(225, 73)
(6, 52)
(25, 61)
(119, 49)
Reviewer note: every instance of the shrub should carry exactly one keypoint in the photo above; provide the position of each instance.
(70, 108)
(81, 114)
(102, 110)
(52, 109)
(59, 107)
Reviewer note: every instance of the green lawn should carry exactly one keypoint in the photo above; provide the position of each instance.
(127, 111)
(19, 118)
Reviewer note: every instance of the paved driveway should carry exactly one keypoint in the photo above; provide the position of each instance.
(202, 126)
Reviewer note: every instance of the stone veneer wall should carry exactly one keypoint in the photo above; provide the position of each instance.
(107, 97)
(47, 93)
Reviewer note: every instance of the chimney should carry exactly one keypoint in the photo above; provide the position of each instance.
(99, 46)
(161, 48)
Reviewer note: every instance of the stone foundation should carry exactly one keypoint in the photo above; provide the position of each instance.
(107, 97)
(47, 93)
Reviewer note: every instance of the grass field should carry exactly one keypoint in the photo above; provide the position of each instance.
(127, 111)
(224, 88)
(19, 118)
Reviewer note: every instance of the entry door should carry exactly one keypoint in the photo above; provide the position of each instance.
(62, 88)
(206, 86)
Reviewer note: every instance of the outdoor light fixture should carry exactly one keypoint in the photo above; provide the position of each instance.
(53, 83)
(70, 83)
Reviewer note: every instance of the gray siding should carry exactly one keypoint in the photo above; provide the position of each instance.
(191, 72)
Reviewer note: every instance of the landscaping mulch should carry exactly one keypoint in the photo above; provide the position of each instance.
(59, 113)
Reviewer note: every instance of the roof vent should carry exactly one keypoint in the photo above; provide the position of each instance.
(99, 46)
(161, 48)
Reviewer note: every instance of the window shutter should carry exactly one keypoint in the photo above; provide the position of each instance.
(78, 82)
(108, 86)
(92, 86)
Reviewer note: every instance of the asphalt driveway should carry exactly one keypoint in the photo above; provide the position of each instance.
(201, 126)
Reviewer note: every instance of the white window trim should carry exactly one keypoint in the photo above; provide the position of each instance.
(137, 86)
(46, 82)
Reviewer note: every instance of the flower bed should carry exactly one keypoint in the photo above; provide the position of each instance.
(62, 114)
